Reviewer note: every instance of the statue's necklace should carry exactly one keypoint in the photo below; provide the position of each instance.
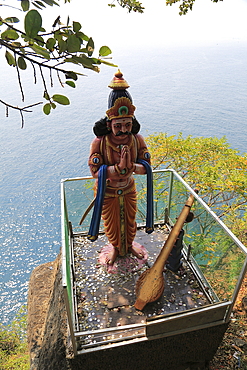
(118, 147)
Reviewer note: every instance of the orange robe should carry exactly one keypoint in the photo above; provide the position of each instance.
(120, 204)
(118, 213)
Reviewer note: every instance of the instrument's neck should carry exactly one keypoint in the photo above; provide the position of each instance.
(169, 243)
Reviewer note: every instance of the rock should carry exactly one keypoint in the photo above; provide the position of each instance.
(47, 319)
(244, 304)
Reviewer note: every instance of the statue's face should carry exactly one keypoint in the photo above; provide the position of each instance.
(121, 126)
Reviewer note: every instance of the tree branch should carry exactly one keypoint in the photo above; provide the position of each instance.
(19, 78)
(30, 59)
(21, 110)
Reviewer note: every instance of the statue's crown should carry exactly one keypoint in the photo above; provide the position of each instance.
(118, 82)
(122, 108)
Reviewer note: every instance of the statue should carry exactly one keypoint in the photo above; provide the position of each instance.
(116, 153)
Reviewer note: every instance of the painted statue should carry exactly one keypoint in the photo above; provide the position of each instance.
(116, 153)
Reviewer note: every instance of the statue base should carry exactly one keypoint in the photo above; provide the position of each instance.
(125, 264)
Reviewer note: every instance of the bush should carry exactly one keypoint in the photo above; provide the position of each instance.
(13, 344)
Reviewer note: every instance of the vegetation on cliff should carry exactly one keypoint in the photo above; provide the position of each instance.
(13, 344)
(211, 166)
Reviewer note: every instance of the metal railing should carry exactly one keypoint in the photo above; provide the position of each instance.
(216, 255)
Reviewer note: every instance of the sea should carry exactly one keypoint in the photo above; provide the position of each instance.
(194, 90)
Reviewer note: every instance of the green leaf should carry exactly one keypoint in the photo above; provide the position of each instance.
(22, 63)
(50, 2)
(25, 5)
(58, 35)
(82, 36)
(39, 3)
(10, 58)
(41, 51)
(84, 61)
(76, 26)
(61, 99)
(71, 60)
(73, 44)
(40, 41)
(47, 108)
(104, 51)
(46, 96)
(70, 83)
(11, 20)
(71, 75)
(50, 43)
(32, 23)
(107, 63)
(62, 46)
(9, 34)
(90, 47)
(17, 45)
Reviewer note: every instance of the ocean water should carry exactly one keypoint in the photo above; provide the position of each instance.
(199, 91)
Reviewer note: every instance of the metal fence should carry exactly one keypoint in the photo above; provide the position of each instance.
(216, 255)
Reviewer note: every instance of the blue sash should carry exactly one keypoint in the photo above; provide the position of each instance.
(95, 221)
(150, 203)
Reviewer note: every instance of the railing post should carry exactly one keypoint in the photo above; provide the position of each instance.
(169, 197)
(66, 268)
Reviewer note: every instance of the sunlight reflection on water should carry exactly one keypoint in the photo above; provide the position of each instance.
(198, 92)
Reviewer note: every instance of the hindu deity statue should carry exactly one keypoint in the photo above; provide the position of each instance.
(117, 152)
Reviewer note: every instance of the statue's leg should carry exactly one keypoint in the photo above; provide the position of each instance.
(131, 208)
(111, 256)
(111, 217)
(137, 250)
(119, 215)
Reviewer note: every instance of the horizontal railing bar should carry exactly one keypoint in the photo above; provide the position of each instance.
(110, 330)
(113, 340)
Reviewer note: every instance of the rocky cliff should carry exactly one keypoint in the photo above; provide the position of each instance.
(47, 325)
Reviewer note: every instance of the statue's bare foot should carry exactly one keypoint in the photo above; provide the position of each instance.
(111, 256)
(136, 250)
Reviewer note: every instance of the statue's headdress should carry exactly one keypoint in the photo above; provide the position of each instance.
(118, 82)
(122, 108)
(119, 106)
(119, 88)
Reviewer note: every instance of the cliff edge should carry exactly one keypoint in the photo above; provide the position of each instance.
(47, 323)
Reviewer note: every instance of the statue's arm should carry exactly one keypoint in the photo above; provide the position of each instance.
(144, 154)
(96, 160)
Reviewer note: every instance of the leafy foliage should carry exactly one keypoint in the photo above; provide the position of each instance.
(210, 165)
(185, 5)
(136, 6)
(131, 5)
(62, 46)
(13, 345)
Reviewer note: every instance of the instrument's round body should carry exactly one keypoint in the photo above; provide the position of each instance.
(149, 287)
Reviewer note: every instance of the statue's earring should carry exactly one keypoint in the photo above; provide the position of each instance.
(108, 126)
